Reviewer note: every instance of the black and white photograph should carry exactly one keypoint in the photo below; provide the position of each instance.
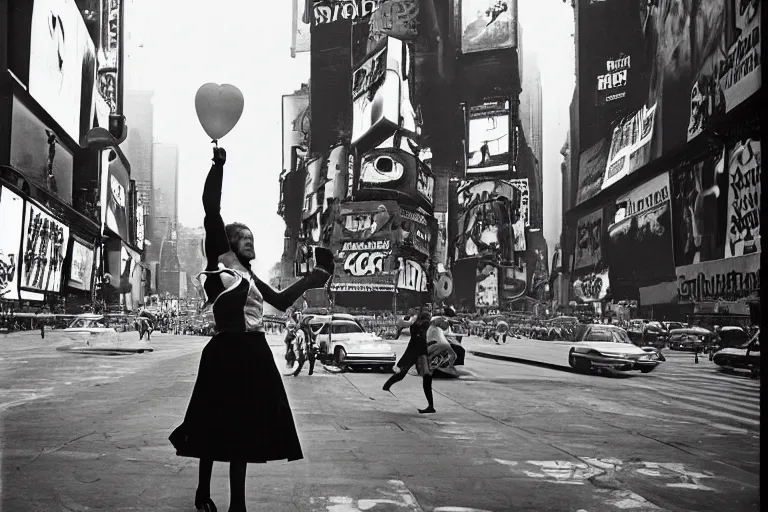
(380, 255)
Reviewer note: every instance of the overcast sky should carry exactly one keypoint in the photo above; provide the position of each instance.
(248, 45)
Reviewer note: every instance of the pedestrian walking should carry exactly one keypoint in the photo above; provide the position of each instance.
(416, 354)
(238, 411)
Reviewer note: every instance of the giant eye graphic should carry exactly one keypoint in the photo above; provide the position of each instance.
(381, 169)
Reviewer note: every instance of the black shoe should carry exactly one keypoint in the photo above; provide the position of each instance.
(428, 410)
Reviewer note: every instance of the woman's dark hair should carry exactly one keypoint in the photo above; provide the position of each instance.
(233, 233)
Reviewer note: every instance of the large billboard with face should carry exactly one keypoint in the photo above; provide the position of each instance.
(11, 219)
(44, 247)
(487, 24)
(660, 72)
(52, 53)
(392, 173)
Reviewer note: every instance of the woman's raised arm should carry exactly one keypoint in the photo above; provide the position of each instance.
(216, 242)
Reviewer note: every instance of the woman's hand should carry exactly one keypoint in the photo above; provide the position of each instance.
(219, 156)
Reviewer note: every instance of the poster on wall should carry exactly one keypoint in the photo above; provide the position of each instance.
(488, 212)
(114, 194)
(81, 266)
(44, 246)
(487, 25)
(728, 279)
(488, 137)
(487, 286)
(699, 204)
(589, 233)
(744, 191)
(11, 219)
(62, 65)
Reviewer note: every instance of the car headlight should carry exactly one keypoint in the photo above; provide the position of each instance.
(646, 357)
(612, 354)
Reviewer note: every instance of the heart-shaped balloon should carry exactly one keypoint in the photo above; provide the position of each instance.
(219, 108)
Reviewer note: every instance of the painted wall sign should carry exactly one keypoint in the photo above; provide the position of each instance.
(727, 279)
(744, 187)
(411, 276)
(365, 263)
(330, 11)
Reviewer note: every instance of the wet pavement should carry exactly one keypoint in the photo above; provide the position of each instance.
(89, 432)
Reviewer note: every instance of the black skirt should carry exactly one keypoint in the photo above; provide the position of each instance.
(238, 410)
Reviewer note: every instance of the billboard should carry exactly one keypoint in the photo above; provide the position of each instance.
(514, 282)
(115, 184)
(11, 218)
(381, 97)
(44, 247)
(60, 67)
(331, 11)
(107, 62)
(673, 81)
(295, 124)
(744, 190)
(589, 240)
(488, 127)
(699, 192)
(592, 287)
(490, 220)
(592, 163)
(81, 265)
(487, 24)
(729, 279)
(640, 240)
(391, 173)
(312, 186)
(487, 286)
(411, 275)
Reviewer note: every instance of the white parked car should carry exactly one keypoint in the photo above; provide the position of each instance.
(608, 346)
(342, 340)
(88, 333)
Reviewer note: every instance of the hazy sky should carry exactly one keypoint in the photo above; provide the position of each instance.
(187, 44)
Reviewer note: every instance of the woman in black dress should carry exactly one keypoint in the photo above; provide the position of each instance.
(239, 411)
(416, 354)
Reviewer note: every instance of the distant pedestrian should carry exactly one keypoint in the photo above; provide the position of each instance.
(416, 354)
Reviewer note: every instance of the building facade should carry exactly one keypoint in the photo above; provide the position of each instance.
(67, 197)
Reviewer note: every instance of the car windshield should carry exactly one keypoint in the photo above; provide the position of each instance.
(609, 335)
(346, 327)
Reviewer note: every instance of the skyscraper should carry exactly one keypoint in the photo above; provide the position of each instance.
(165, 173)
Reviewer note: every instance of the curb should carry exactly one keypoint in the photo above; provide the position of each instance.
(530, 362)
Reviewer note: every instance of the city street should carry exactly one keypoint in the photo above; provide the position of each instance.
(88, 432)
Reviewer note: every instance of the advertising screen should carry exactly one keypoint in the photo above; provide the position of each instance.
(114, 194)
(81, 267)
(389, 173)
(381, 98)
(488, 25)
(11, 219)
(62, 65)
(589, 240)
(488, 138)
(44, 247)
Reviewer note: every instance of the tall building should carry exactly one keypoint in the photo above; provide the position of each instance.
(531, 105)
(164, 211)
(190, 253)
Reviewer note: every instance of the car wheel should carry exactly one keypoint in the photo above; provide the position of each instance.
(340, 355)
(646, 370)
(580, 365)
